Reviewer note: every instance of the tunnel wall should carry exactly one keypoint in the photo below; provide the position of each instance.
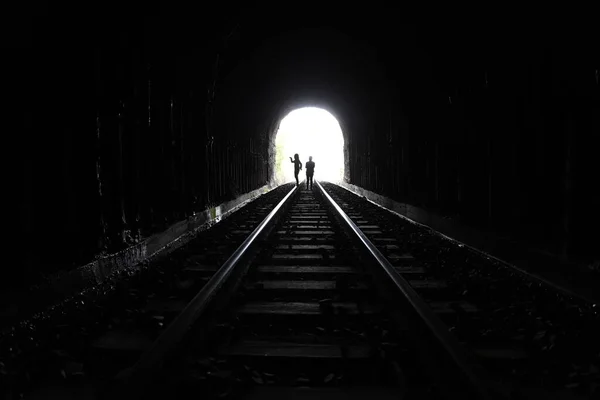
(503, 142)
(123, 144)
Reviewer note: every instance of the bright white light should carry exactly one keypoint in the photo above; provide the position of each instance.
(310, 132)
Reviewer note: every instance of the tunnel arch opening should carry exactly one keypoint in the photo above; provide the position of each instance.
(309, 131)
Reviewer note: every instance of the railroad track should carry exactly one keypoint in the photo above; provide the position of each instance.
(72, 349)
(294, 297)
(539, 339)
(306, 308)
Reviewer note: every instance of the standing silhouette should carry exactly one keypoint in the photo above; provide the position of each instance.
(297, 166)
(310, 171)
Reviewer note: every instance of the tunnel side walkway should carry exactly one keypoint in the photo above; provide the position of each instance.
(23, 297)
(575, 278)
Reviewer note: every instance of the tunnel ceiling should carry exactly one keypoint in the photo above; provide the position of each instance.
(270, 63)
(314, 66)
(356, 70)
(322, 65)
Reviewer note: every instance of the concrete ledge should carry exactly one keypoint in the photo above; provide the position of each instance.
(446, 226)
(172, 238)
(573, 280)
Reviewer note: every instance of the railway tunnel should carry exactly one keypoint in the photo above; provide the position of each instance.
(137, 131)
(482, 130)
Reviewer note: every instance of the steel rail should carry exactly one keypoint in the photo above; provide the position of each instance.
(448, 341)
(141, 373)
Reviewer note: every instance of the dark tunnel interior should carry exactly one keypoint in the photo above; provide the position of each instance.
(127, 126)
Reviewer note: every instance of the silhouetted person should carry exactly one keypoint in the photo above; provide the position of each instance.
(297, 166)
(310, 171)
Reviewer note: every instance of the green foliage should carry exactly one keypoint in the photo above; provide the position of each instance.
(279, 161)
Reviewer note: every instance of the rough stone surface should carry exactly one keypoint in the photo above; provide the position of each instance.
(531, 260)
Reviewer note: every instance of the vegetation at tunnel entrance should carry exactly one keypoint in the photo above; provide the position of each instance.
(279, 165)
